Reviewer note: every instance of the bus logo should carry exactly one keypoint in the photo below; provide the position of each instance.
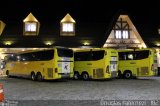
(66, 67)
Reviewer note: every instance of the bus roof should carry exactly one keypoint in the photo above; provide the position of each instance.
(125, 50)
(93, 49)
(30, 51)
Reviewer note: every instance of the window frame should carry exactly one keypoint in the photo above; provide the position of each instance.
(67, 33)
(66, 25)
(30, 28)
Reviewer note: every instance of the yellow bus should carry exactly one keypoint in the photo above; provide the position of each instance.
(137, 63)
(48, 64)
(95, 63)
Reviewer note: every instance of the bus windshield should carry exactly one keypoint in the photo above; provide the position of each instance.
(89, 55)
(64, 52)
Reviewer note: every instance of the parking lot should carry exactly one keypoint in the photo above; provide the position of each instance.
(115, 89)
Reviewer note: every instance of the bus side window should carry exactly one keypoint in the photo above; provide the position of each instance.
(141, 54)
(130, 57)
(122, 55)
(81, 56)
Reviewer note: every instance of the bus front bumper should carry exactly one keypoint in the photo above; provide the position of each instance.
(65, 75)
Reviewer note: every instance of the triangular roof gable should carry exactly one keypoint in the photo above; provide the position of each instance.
(133, 28)
(2, 26)
(126, 17)
(68, 18)
(31, 18)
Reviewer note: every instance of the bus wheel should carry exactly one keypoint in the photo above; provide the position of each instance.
(33, 76)
(7, 73)
(85, 76)
(128, 74)
(76, 75)
(39, 77)
(119, 74)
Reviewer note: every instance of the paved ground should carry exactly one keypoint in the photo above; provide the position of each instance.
(116, 89)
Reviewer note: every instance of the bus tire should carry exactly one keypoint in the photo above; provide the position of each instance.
(39, 76)
(85, 76)
(33, 76)
(76, 75)
(7, 73)
(127, 74)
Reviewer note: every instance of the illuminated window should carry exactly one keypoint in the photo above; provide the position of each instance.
(67, 25)
(121, 34)
(125, 34)
(121, 30)
(30, 27)
(118, 34)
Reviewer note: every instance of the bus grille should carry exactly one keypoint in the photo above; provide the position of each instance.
(98, 73)
(50, 72)
(143, 71)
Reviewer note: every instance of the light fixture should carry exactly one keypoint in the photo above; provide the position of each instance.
(8, 43)
(158, 44)
(12, 55)
(23, 49)
(49, 43)
(86, 43)
(34, 48)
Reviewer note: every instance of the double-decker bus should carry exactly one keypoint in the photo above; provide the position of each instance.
(95, 63)
(137, 63)
(55, 63)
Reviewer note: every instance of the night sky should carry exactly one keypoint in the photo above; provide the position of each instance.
(97, 9)
(94, 18)
(145, 15)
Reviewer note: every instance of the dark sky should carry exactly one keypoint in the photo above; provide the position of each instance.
(18, 9)
(144, 13)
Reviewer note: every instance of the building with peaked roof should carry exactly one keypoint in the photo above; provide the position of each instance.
(120, 31)
(116, 24)
(124, 35)
(88, 25)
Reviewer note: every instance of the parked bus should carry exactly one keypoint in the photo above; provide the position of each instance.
(48, 64)
(137, 63)
(99, 63)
